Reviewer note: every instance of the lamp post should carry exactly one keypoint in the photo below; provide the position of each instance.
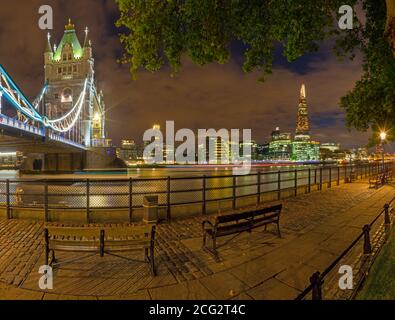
(383, 136)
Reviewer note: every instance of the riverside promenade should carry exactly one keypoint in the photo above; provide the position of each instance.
(316, 228)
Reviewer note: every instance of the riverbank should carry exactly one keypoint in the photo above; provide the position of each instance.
(316, 228)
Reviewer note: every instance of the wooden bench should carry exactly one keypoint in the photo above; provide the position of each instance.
(377, 181)
(239, 222)
(101, 241)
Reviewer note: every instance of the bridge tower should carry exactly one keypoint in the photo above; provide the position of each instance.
(67, 67)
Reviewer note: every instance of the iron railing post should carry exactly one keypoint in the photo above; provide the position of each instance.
(168, 199)
(259, 188)
(309, 187)
(330, 178)
(367, 247)
(279, 185)
(320, 179)
(46, 211)
(204, 209)
(387, 219)
(315, 177)
(316, 283)
(88, 192)
(296, 182)
(8, 199)
(345, 174)
(234, 192)
(130, 200)
(338, 175)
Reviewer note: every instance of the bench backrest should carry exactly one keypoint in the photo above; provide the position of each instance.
(67, 232)
(235, 217)
(128, 232)
(273, 209)
(90, 236)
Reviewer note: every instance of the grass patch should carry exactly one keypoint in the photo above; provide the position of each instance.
(380, 283)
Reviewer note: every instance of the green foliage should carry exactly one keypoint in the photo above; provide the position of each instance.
(159, 32)
(156, 32)
(371, 103)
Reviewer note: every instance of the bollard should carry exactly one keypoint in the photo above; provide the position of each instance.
(150, 204)
(316, 283)
(367, 247)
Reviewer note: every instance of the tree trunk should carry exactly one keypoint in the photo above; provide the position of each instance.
(390, 27)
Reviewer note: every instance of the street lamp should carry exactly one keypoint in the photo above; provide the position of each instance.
(383, 136)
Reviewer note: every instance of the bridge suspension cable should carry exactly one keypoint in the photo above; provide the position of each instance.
(67, 121)
(13, 94)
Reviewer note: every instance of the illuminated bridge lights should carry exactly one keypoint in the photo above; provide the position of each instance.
(29, 112)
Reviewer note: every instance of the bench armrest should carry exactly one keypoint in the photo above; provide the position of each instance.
(207, 225)
(207, 222)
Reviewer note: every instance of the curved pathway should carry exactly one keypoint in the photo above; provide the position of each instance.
(316, 228)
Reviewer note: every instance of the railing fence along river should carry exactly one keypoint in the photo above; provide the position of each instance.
(121, 200)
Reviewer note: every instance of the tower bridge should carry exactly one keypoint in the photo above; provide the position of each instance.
(64, 127)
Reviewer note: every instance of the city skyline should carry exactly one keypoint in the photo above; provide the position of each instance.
(224, 92)
(158, 151)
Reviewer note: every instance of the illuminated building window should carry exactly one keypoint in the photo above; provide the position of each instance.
(67, 96)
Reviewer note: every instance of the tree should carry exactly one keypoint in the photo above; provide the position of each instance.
(371, 103)
(155, 32)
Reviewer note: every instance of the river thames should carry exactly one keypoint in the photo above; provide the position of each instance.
(178, 185)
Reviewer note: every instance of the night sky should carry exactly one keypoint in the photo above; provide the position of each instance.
(214, 96)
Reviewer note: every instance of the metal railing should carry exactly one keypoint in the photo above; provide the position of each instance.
(365, 259)
(128, 194)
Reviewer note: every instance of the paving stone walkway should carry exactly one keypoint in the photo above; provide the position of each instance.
(316, 228)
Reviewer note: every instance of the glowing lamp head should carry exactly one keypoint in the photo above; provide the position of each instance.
(96, 117)
(383, 136)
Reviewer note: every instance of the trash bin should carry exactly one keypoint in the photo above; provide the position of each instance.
(150, 204)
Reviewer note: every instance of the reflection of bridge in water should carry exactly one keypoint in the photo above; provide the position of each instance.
(66, 120)
(121, 200)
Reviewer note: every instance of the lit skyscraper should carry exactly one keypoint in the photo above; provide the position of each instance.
(303, 149)
(302, 123)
